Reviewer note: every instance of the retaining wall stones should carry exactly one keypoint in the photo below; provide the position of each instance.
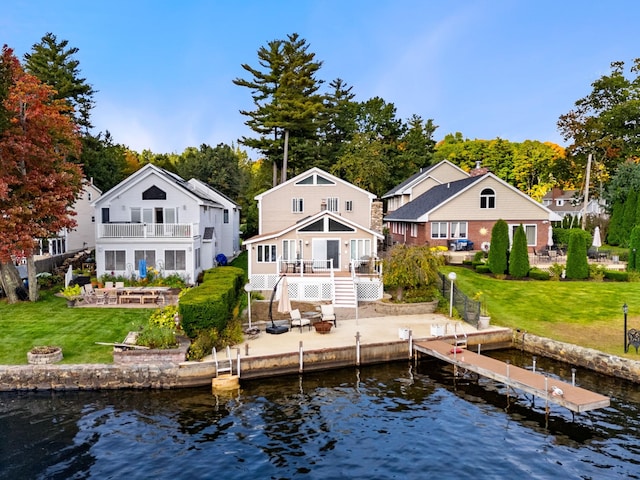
(393, 309)
(584, 357)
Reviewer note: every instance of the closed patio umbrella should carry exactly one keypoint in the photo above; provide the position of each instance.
(277, 329)
(284, 304)
(597, 241)
(142, 268)
(550, 239)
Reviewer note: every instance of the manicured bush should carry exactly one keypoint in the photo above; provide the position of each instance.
(555, 271)
(634, 249)
(577, 264)
(519, 258)
(483, 268)
(616, 275)
(537, 274)
(211, 304)
(499, 248)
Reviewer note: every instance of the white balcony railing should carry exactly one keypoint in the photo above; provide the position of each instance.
(146, 230)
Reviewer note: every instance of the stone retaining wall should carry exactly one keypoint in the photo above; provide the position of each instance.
(393, 309)
(583, 357)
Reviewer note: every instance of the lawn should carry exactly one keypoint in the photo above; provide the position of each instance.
(585, 313)
(50, 322)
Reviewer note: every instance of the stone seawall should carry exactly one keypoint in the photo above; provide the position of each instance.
(595, 360)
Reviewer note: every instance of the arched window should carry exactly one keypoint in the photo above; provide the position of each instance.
(487, 198)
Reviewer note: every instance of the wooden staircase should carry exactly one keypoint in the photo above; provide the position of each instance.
(344, 293)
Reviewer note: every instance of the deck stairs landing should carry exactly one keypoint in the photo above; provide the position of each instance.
(344, 293)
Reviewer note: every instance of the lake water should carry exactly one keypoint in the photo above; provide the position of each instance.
(381, 422)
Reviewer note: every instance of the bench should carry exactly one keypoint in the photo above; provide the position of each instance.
(634, 338)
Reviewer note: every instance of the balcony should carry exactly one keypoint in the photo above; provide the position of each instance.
(147, 230)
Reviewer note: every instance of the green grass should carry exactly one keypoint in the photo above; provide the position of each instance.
(585, 313)
(50, 322)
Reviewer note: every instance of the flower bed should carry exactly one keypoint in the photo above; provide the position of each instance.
(44, 355)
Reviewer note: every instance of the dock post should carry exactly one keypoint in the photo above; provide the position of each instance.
(301, 368)
(238, 358)
(410, 344)
(573, 377)
(358, 348)
(534, 364)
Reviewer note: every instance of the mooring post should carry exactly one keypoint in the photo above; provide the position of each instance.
(238, 357)
(410, 344)
(246, 349)
(534, 364)
(358, 348)
(301, 357)
(573, 377)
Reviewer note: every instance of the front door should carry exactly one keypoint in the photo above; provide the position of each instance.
(326, 250)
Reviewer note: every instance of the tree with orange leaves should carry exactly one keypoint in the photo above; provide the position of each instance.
(38, 182)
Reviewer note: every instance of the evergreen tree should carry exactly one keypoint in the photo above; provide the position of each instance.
(634, 249)
(519, 258)
(289, 108)
(614, 235)
(54, 64)
(629, 218)
(499, 248)
(577, 263)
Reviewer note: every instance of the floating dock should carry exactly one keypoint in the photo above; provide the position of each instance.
(555, 391)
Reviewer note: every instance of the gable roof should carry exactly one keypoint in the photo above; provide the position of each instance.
(311, 171)
(418, 209)
(208, 191)
(150, 169)
(418, 177)
(309, 220)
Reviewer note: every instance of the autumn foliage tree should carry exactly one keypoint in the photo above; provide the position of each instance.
(38, 184)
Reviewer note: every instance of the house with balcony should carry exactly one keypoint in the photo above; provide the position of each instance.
(570, 203)
(154, 218)
(461, 214)
(323, 233)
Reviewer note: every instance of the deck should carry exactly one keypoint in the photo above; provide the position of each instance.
(569, 396)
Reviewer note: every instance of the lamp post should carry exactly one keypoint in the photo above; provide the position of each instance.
(625, 309)
(452, 276)
(248, 288)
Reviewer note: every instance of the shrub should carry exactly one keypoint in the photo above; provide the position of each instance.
(519, 258)
(555, 271)
(616, 275)
(596, 272)
(409, 268)
(483, 268)
(164, 317)
(203, 344)
(422, 294)
(499, 248)
(154, 336)
(634, 247)
(577, 264)
(537, 274)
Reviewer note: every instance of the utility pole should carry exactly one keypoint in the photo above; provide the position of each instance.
(586, 193)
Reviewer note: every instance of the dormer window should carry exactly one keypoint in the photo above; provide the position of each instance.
(487, 198)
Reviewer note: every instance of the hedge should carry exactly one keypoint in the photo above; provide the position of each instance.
(537, 274)
(616, 275)
(211, 304)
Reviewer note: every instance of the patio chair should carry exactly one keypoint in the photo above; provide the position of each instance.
(112, 297)
(108, 285)
(88, 294)
(328, 314)
(119, 284)
(297, 320)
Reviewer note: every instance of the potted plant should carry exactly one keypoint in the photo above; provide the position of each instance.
(72, 293)
(484, 318)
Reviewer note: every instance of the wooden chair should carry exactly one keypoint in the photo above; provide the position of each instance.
(112, 297)
(108, 285)
(328, 314)
(101, 297)
(119, 284)
(88, 294)
(297, 320)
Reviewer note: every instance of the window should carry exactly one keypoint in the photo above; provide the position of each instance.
(266, 253)
(332, 204)
(348, 206)
(148, 255)
(414, 229)
(439, 230)
(487, 198)
(360, 248)
(530, 232)
(458, 230)
(175, 260)
(288, 249)
(559, 202)
(115, 260)
(225, 216)
(297, 205)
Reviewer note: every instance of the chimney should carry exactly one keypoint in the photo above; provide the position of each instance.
(479, 170)
(376, 216)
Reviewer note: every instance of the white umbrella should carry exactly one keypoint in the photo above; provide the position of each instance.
(456, 232)
(550, 239)
(284, 304)
(597, 241)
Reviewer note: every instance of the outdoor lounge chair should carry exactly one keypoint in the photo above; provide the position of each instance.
(328, 315)
(298, 321)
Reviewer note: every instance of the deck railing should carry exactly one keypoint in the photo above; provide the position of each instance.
(146, 230)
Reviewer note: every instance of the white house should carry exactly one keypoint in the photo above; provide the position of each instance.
(156, 218)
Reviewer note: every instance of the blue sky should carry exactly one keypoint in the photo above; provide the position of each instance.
(164, 69)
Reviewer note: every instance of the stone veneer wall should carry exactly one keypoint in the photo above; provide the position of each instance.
(574, 355)
(376, 216)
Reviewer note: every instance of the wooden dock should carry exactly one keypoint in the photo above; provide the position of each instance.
(555, 391)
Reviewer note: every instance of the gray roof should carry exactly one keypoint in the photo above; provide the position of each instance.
(400, 187)
(430, 200)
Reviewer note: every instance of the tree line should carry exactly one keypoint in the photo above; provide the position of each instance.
(298, 121)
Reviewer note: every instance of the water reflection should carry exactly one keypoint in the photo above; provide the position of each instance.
(386, 421)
